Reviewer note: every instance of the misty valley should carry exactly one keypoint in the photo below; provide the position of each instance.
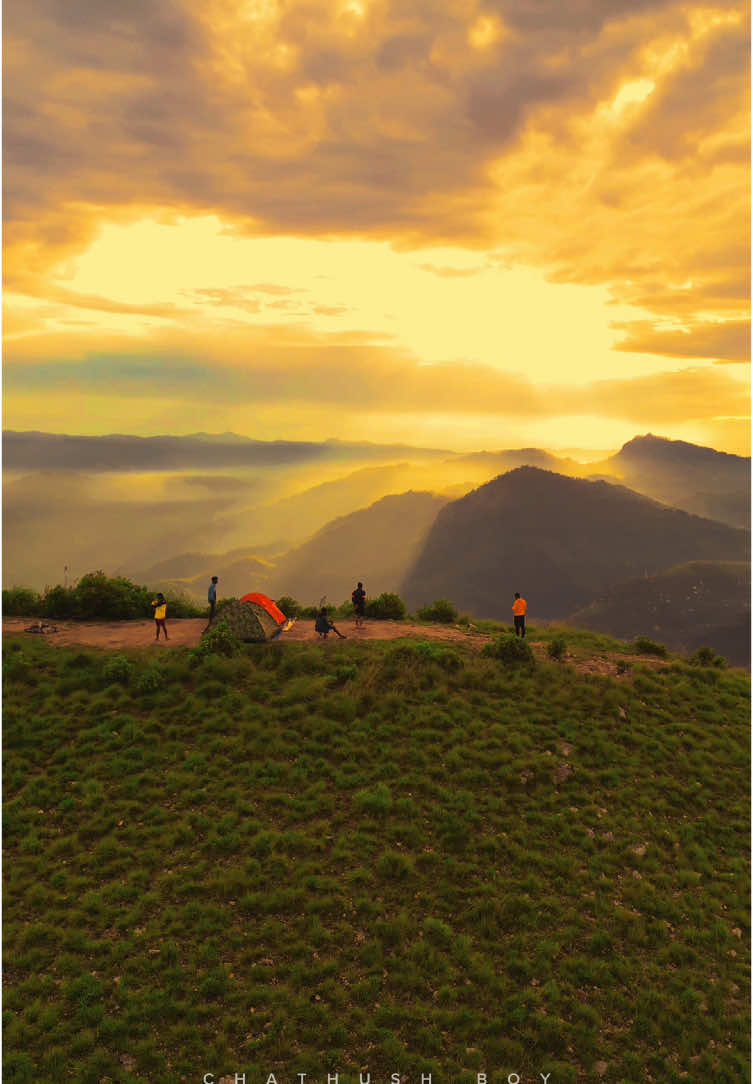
(653, 539)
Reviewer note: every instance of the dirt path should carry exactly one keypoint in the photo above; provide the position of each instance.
(186, 632)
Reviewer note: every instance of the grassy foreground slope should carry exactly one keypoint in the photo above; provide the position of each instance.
(401, 856)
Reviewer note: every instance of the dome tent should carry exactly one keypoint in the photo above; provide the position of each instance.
(268, 605)
(249, 621)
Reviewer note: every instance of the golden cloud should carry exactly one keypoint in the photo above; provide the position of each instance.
(604, 142)
(262, 367)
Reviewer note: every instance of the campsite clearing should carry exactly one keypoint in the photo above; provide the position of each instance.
(186, 632)
(588, 653)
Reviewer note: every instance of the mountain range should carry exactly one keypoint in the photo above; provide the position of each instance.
(306, 518)
(686, 607)
(560, 541)
(699, 480)
(374, 545)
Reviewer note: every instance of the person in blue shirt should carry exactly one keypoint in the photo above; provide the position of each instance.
(212, 597)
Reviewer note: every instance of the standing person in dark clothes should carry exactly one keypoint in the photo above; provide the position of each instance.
(358, 599)
(212, 597)
(160, 613)
(519, 608)
(323, 625)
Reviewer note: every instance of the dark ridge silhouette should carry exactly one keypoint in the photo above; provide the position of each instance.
(509, 459)
(702, 603)
(376, 545)
(121, 452)
(688, 476)
(681, 452)
(560, 541)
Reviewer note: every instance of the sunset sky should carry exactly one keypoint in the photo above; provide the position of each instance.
(453, 223)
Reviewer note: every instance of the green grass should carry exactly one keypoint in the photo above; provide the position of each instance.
(303, 860)
(581, 642)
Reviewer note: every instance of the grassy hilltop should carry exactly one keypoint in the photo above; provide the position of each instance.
(406, 856)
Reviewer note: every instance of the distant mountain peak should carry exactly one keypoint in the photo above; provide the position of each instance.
(675, 450)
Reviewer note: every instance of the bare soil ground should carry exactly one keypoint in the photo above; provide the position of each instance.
(186, 632)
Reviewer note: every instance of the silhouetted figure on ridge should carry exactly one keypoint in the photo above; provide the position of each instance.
(212, 599)
(358, 599)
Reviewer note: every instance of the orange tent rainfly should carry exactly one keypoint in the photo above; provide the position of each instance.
(267, 604)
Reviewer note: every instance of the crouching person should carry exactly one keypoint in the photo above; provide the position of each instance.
(323, 625)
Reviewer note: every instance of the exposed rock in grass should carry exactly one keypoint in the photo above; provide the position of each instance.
(562, 772)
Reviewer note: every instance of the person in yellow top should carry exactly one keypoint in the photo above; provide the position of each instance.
(160, 613)
(519, 608)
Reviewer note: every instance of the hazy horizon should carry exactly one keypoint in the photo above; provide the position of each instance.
(586, 454)
(583, 453)
(124, 503)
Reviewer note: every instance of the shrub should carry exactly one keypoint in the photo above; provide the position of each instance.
(426, 650)
(446, 657)
(58, 602)
(218, 640)
(310, 613)
(394, 866)
(344, 674)
(289, 606)
(97, 597)
(644, 646)
(557, 647)
(706, 656)
(16, 666)
(100, 597)
(512, 650)
(118, 669)
(441, 611)
(386, 607)
(180, 605)
(149, 681)
(438, 931)
(21, 602)
(377, 801)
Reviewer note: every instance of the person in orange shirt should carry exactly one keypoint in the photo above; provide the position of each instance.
(519, 608)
